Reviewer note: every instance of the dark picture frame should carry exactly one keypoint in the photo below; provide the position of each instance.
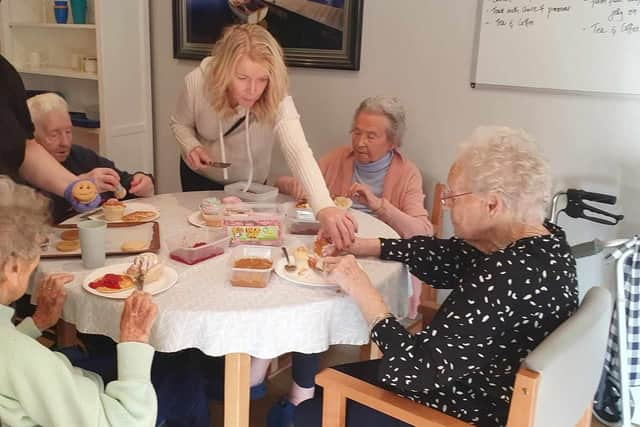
(316, 35)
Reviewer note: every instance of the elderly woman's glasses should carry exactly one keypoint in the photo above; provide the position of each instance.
(370, 137)
(448, 195)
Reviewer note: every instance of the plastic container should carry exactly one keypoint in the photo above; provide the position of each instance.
(251, 277)
(198, 245)
(302, 221)
(256, 193)
(255, 223)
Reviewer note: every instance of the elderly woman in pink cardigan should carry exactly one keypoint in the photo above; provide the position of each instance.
(381, 181)
(374, 173)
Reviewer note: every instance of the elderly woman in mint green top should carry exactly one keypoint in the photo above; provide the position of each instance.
(38, 386)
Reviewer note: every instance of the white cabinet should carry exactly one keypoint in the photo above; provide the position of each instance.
(117, 34)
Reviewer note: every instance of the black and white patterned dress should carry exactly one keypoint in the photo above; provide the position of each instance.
(501, 307)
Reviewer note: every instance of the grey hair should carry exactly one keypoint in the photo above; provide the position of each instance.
(24, 221)
(392, 109)
(43, 104)
(508, 162)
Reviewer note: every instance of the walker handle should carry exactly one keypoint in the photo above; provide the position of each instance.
(574, 194)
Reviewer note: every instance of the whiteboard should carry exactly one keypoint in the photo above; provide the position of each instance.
(577, 45)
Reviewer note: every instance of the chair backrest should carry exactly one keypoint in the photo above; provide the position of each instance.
(569, 362)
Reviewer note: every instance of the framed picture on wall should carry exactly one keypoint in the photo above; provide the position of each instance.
(313, 33)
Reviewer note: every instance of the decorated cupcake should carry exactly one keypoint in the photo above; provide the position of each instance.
(113, 210)
(212, 212)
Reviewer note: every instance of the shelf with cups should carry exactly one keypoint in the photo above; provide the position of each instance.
(58, 72)
(52, 26)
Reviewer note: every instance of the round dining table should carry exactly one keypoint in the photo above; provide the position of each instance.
(204, 311)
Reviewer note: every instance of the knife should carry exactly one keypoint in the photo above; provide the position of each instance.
(220, 165)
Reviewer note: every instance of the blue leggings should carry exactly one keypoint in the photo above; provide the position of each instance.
(176, 378)
(309, 412)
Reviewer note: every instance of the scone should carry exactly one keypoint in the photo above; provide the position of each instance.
(113, 209)
(68, 245)
(133, 245)
(148, 265)
(70, 234)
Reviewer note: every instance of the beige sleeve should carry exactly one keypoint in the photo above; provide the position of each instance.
(183, 121)
(299, 156)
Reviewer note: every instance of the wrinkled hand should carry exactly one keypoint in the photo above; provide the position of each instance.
(291, 186)
(50, 299)
(199, 158)
(141, 185)
(138, 316)
(338, 226)
(106, 179)
(347, 273)
(363, 194)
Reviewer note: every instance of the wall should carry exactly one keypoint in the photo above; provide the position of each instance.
(422, 52)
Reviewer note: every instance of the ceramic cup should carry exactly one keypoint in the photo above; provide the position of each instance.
(92, 243)
(90, 64)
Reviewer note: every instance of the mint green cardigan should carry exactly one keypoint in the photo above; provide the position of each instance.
(40, 387)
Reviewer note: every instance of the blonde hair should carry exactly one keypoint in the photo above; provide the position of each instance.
(24, 221)
(508, 162)
(257, 44)
(43, 104)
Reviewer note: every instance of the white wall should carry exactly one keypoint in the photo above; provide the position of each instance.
(422, 51)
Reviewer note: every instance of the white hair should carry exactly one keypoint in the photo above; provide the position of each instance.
(24, 221)
(508, 162)
(392, 109)
(43, 104)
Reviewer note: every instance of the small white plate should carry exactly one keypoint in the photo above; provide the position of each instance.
(309, 277)
(168, 278)
(130, 208)
(196, 219)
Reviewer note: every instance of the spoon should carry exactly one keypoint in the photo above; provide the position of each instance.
(289, 267)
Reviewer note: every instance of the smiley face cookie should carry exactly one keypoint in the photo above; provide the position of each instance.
(84, 191)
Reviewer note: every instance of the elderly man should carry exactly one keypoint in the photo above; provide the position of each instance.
(50, 116)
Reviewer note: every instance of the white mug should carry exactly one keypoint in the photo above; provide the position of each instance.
(76, 61)
(90, 64)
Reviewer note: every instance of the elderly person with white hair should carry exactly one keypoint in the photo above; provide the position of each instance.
(512, 279)
(373, 171)
(38, 386)
(53, 130)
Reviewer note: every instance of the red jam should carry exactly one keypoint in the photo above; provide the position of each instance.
(109, 280)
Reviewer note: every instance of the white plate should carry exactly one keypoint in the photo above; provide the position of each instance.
(130, 207)
(168, 278)
(309, 278)
(196, 219)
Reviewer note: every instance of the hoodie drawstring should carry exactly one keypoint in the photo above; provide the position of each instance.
(246, 141)
(223, 154)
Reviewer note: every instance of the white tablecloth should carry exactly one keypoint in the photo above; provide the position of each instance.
(204, 311)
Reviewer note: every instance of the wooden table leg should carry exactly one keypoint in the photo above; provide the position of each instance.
(66, 334)
(236, 390)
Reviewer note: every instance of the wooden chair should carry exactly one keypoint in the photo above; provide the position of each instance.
(554, 386)
(429, 296)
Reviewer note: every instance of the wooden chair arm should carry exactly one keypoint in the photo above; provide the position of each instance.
(338, 387)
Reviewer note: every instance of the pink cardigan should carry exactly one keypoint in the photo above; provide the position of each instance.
(403, 198)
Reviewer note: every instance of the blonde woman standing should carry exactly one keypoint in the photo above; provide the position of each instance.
(232, 108)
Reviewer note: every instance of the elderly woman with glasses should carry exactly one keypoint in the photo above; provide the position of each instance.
(512, 279)
(373, 171)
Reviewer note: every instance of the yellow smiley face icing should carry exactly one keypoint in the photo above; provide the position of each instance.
(84, 191)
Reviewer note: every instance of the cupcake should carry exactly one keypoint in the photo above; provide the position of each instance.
(113, 210)
(211, 212)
